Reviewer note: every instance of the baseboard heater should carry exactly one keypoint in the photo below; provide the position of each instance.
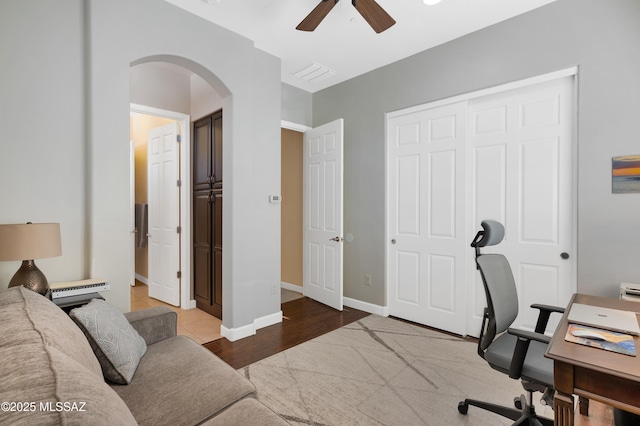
(630, 292)
(74, 288)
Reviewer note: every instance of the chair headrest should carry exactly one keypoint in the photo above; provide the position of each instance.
(493, 233)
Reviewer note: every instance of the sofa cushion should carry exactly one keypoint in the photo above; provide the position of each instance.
(40, 367)
(61, 391)
(28, 317)
(197, 383)
(117, 345)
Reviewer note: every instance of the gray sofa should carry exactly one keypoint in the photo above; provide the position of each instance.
(50, 375)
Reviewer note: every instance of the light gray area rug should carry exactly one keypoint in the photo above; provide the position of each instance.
(381, 371)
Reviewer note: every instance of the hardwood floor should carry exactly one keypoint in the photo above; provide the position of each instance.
(303, 319)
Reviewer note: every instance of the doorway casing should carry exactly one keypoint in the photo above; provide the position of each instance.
(186, 302)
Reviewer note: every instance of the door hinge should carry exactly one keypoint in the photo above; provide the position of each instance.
(179, 274)
(179, 182)
(178, 138)
(179, 229)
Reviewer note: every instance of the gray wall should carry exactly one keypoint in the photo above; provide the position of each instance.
(158, 86)
(65, 123)
(296, 105)
(601, 37)
(42, 150)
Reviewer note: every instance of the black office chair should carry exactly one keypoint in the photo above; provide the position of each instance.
(517, 353)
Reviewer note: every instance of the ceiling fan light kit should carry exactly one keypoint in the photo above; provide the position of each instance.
(371, 11)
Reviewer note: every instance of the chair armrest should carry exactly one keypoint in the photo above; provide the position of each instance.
(544, 314)
(529, 335)
(548, 308)
(524, 337)
(154, 324)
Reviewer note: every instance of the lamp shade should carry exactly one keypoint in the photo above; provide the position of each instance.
(30, 241)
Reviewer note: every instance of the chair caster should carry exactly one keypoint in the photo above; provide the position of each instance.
(517, 402)
(463, 407)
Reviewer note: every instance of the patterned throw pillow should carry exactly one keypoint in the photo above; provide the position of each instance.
(117, 345)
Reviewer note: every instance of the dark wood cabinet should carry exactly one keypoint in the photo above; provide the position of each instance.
(207, 213)
(207, 149)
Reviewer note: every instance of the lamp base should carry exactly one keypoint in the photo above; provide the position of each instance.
(31, 277)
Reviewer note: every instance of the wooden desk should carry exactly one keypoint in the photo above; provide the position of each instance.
(591, 373)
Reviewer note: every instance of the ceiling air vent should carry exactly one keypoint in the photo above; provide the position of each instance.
(314, 73)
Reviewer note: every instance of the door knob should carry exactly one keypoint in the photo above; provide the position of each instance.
(393, 241)
(564, 255)
(336, 239)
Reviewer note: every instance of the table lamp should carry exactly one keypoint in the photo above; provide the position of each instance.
(27, 242)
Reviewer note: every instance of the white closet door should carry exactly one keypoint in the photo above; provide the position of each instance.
(522, 168)
(507, 156)
(427, 237)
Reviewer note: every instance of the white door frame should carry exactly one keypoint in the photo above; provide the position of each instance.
(300, 128)
(132, 209)
(568, 72)
(186, 301)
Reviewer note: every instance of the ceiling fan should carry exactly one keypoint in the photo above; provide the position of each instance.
(369, 9)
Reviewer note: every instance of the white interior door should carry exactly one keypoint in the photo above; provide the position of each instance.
(322, 235)
(164, 220)
(522, 150)
(427, 247)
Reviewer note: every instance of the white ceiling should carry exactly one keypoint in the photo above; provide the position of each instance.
(344, 43)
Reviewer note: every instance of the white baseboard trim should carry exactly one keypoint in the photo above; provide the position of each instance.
(142, 279)
(268, 320)
(365, 306)
(191, 304)
(233, 334)
(291, 287)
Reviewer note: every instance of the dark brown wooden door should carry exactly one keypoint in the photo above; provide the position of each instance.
(202, 246)
(216, 161)
(207, 214)
(217, 251)
(202, 154)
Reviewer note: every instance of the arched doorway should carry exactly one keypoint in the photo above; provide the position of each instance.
(169, 90)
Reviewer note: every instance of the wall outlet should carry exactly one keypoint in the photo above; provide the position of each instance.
(274, 288)
(367, 279)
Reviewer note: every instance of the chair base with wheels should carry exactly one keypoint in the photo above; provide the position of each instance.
(523, 414)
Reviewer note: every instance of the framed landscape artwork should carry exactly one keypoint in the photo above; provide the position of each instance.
(625, 174)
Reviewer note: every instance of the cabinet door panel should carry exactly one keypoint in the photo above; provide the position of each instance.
(202, 154)
(202, 247)
(217, 150)
(217, 250)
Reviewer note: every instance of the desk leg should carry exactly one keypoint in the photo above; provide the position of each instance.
(563, 409)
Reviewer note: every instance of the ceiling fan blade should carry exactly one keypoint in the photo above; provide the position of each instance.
(317, 15)
(375, 15)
